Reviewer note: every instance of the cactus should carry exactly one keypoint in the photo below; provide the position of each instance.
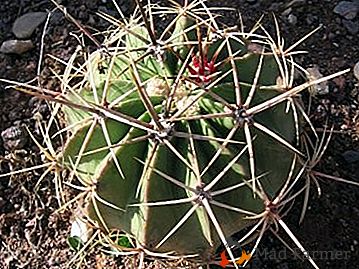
(183, 138)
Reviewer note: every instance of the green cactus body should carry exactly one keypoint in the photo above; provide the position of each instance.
(165, 165)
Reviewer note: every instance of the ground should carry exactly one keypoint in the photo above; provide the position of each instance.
(33, 234)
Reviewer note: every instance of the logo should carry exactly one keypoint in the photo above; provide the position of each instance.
(245, 257)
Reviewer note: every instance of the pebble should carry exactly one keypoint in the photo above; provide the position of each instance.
(25, 25)
(356, 70)
(311, 19)
(80, 229)
(14, 137)
(314, 74)
(287, 12)
(351, 156)
(274, 6)
(292, 19)
(339, 82)
(351, 26)
(91, 4)
(56, 18)
(295, 3)
(339, 62)
(347, 9)
(16, 46)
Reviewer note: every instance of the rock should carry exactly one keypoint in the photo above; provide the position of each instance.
(339, 62)
(314, 74)
(14, 137)
(351, 26)
(351, 156)
(80, 229)
(292, 19)
(295, 3)
(2, 202)
(91, 4)
(274, 6)
(339, 82)
(356, 70)
(347, 9)
(25, 25)
(286, 12)
(311, 19)
(16, 46)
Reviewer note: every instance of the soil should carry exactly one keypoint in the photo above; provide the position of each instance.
(33, 234)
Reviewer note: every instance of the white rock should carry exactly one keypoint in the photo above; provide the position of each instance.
(356, 70)
(292, 19)
(314, 74)
(80, 229)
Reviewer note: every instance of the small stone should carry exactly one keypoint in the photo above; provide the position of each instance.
(347, 9)
(331, 36)
(339, 82)
(295, 3)
(91, 4)
(14, 137)
(16, 46)
(351, 26)
(292, 19)
(91, 20)
(56, 18)
(80, 229)
(274, 7)
(311, 19)
(314, 74)
(351, 156)
(356, 70)
(287, 12)
(25, 25)
(339, 62)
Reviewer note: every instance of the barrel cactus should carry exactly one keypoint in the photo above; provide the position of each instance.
(184, 137)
